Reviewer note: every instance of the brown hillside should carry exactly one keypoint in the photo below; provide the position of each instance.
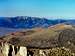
(44, 38)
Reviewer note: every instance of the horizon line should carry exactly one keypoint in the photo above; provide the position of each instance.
(66, 18)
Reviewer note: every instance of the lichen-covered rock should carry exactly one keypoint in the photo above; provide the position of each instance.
(62, 51)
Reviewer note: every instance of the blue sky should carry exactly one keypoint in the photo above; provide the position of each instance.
(38, 8)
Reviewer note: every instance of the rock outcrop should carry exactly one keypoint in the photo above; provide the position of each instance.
(11, 50)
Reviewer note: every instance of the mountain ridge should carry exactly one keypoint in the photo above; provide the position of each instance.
(27, 22)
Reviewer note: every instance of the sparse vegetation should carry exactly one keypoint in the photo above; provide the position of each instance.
(61, 52)
(46, 38)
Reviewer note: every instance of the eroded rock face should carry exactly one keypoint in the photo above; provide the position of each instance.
(22, 52)
(5, 49)
(11, 50)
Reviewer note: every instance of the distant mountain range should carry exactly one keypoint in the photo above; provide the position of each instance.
(19, 23)
(28, 22)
